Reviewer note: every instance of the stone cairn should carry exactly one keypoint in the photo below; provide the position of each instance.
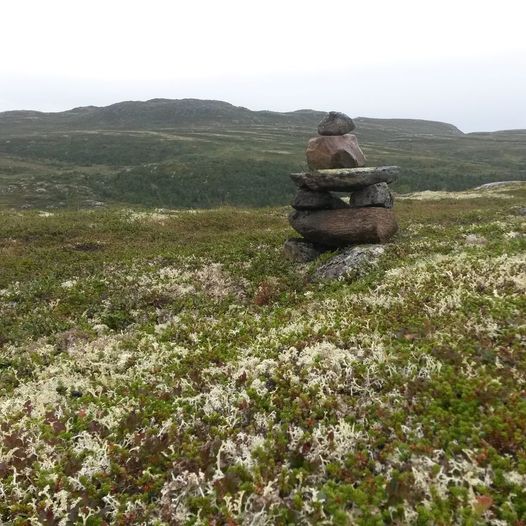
(324, 220)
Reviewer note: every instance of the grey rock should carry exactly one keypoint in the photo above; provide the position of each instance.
(310, 200)
(374, 195)
(521, 211)
(336, 123)
(300, 250)
(346, 226)
(352, 262)
(345, 179)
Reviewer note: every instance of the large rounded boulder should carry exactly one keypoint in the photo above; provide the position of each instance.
(336, 123)
(338, 151)
(346, 226)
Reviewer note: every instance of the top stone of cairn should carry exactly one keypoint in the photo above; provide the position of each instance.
(336, 123)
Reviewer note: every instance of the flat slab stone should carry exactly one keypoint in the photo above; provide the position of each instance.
(311, 200)
(335, 151)
(347, 226)
(374, 195)
(345, 179)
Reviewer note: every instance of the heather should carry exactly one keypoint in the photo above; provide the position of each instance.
(172, 367)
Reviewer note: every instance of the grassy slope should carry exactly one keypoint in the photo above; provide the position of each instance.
(207, 153)
(166, 367)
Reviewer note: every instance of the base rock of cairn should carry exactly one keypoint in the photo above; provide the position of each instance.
(301, 251)
(350, 262)
(324, 220)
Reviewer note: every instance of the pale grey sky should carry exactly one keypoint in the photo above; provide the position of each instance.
(459, 61)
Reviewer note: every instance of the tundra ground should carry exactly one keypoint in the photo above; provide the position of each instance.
(171, 367)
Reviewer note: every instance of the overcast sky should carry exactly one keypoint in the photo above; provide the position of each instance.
(459, 61)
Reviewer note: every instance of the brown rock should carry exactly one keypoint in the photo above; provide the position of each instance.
(336, 123)
(345, 179)
(338, 151)
(309, 200)
(347, 226)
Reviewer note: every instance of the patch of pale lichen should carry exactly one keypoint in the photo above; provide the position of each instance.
(213, 384)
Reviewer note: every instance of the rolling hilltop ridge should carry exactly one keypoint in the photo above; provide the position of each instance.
(189, 113)
(194, 153)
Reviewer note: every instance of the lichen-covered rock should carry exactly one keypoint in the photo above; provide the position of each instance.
(374, 195)
(338, 151)
(353, 261)
(347, 226)
(345, 179)
(301, 250)
(336, 123)
(310, 200)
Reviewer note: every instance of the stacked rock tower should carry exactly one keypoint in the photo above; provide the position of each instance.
(324, 220)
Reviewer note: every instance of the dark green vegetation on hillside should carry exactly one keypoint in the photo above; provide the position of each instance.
(193, 153)
(172, 368)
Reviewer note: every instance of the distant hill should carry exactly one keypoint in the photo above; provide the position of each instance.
(153, 114)
(188, 113)
(409, 127)
(203, 153)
